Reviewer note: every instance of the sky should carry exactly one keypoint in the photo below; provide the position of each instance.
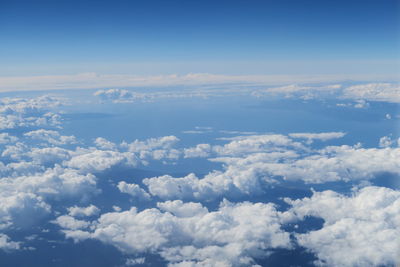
(199, 133)
(179, 37)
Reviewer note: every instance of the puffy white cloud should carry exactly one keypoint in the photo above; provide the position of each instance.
(5, 138)
(361, 103)
(234, 234)
(252, 162)
(359, 230)
(104, 144)
(83, 211)
(385, 141)
(116, 95)
(21, 112)
(70, 222)
(154, 148)
(24, 198)
(200, 150)
(134, 190)
(52, 137)
(48, 155)
(387, 92)
(180, 209)
(6, 244)
(100, 160)
(340, 163)
(257, 143)
(20, 208)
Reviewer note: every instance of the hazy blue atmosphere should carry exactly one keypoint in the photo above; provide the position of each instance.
(199, 133)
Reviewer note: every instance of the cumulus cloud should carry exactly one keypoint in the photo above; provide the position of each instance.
(253, 162)
(115, 95)
(7, 244)
(134, 190)
(100, 160)
(385, 141)
(26, 112)
(50, 136)
(199, 151)
(70, 222)
(235, 234)
(24, 199)
(387, 92)
(5, 138)
(358, 230)
(90, 210)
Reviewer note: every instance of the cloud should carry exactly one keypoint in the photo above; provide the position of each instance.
(99, 160)
(134, 190)
(26, 112)
(359, 230)
(50, 136)
(24, 199)
(6, 244)
(115, 95)
(386, 92)
(318, 136)
(93, 80)
(385, 141)
(199, 151)
(5, 138)
(235, 234)
(253, 162)
(70, 222)
(76, 211)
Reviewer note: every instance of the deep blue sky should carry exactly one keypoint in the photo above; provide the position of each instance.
(47, 37)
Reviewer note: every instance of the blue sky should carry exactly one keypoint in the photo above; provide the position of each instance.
(131, 130)
(227, 37)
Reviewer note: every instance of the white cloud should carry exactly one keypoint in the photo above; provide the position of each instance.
(200, 150)
(318, 136)
(252, 162)
(50, 136)
(90, 210)
(115, 95)
(24, 199)
(6, 244)
(93, 80)
(70, 222)
(135, 261)
(5, 138)
(387, 92)
(359, 230)
(134, 190)
(385, 141)
(99, 160)
(104, 144)
(180, 209)
(26, 112)
(234, 234)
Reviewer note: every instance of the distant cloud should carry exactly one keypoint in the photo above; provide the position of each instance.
(28, 112)
(93, 81)
(116, 95)
(317, 136)
(387, 92)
